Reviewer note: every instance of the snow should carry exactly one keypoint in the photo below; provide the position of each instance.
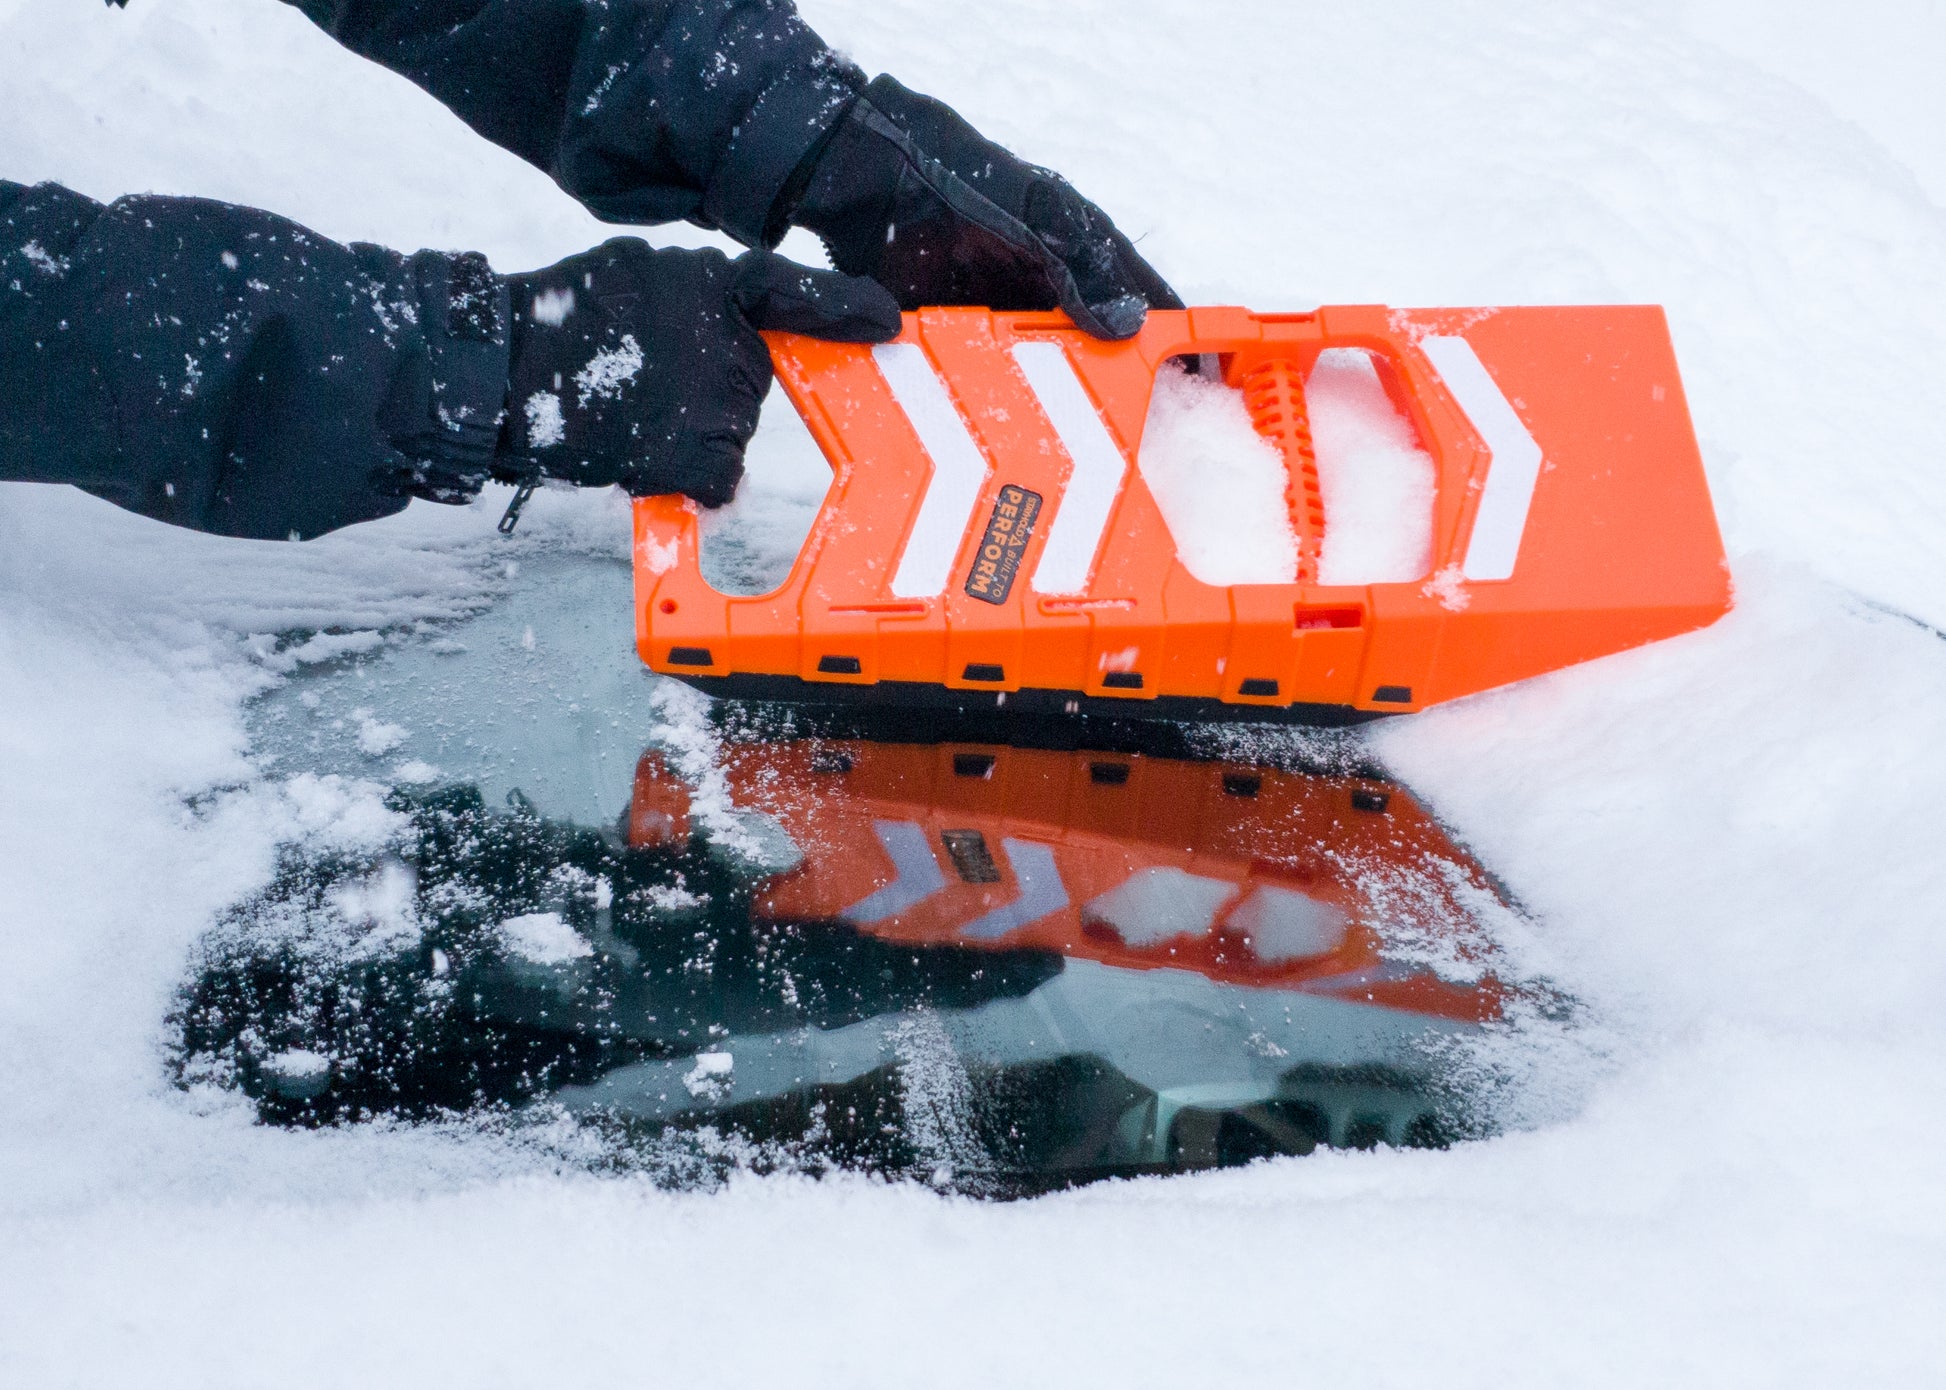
(711, 1075)
(544, 938)
(1725, 1173)
(377, 737)
(1376, 480)
(1448, 588)
(1222, 487)
(380, 908)
(1218, 483)
(667, 897)
(608, 371)
(546, 426)
(38, 257)
(298, 1063)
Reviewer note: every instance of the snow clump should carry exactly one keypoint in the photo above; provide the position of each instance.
(544, 938)
(609, 370)
(545, 425)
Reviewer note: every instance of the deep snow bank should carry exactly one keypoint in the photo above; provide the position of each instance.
(1726, 841)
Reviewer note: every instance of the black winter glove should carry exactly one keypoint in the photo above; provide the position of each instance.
(643, 367)
(907, 192)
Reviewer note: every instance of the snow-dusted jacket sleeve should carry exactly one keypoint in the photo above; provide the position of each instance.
(224, 369)
(644, 110)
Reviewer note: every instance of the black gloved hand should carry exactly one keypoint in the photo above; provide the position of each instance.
(643, 367)
(910, 194)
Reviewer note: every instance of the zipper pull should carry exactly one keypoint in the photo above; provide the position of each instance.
(511, 517)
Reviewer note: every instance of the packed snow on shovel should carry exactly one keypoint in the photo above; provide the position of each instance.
(1222, 486)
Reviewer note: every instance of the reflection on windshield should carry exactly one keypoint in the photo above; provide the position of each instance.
(994, 969)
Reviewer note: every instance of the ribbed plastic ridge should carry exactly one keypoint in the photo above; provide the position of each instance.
(1274, 396)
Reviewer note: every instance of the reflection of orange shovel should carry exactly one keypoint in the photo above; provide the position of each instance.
(987, 541)
(1244, 875)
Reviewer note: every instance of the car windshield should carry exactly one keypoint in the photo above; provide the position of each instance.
(985, 965)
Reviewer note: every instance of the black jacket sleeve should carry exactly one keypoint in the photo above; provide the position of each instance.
(644, 110)
(224, 369)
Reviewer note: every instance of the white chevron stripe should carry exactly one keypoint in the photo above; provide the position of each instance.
(915, 869)
(1041, 892)
(1513, 469)
(959, 470)
(1081, 515)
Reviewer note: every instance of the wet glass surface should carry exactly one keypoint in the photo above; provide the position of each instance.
(727, 945)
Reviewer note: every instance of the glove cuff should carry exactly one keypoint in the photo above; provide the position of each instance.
(463, 312)
(749, 196)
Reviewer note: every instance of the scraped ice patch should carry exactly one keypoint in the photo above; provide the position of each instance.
(750, 839)
(759, 844)
(609, 370)
(1219, 484)
(1376, 481)
(936, 1097)
(546, 427)
(544, 938)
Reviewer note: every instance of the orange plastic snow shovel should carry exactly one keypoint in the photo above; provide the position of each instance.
(988, 540)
